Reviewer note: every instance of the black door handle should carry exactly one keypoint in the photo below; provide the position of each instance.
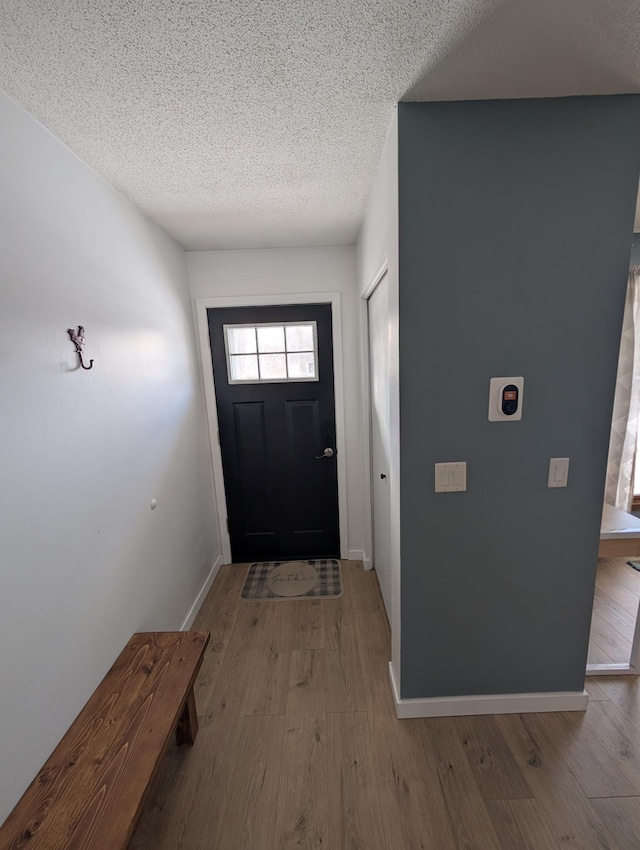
(382, 475)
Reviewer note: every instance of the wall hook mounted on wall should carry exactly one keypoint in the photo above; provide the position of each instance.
(77, 338)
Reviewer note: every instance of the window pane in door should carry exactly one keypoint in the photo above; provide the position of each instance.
(244, 367)
(302, 365)
(300, 338)
(270, 339)
(272, 352)
(241, 340)
(273, 367)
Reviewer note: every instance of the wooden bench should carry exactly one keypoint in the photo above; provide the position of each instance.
(91, 791)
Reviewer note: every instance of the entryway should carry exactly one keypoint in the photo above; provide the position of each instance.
(614, 646)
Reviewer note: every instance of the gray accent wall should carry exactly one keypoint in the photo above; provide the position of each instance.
(635, 250)
(515, 219)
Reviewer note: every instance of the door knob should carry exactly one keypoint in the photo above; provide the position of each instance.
(325, 453)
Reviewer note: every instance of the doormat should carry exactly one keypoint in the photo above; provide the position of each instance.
(293, 580)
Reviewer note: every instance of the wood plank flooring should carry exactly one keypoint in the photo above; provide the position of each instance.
(615, 607)
(299, 746)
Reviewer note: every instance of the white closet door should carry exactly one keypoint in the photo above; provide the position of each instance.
(380, 453)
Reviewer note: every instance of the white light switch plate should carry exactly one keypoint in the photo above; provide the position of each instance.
(451, 477)
(558, 472)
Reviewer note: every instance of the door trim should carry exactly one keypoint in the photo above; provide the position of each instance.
(367, 447)
(276, 300)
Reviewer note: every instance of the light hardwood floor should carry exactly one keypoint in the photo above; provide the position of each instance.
(299, 747)
(615, 607)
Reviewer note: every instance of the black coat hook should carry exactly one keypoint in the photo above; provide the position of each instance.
(77, 338)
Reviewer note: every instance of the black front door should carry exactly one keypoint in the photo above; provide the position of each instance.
(273, 369)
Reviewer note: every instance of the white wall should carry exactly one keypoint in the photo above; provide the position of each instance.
(379, 232)
(267, 272)
(84, 562)
(378, 246)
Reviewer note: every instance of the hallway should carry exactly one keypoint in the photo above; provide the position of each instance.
(299, 746)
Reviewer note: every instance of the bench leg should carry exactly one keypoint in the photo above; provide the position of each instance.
(187, 727)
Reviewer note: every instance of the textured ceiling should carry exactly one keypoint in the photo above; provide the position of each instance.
(251, 123)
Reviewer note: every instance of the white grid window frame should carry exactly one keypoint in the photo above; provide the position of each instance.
(255, 326)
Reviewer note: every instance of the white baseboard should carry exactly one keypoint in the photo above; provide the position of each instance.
(193, 611)
(486, 704)
(359, 555)
(612, 670)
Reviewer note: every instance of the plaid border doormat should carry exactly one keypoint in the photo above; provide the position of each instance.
(283, 576)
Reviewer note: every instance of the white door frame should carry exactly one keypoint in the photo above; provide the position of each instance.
(379, 273)
(202, 305)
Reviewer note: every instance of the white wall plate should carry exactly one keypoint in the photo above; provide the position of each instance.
(505, 393)
(451, 477)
